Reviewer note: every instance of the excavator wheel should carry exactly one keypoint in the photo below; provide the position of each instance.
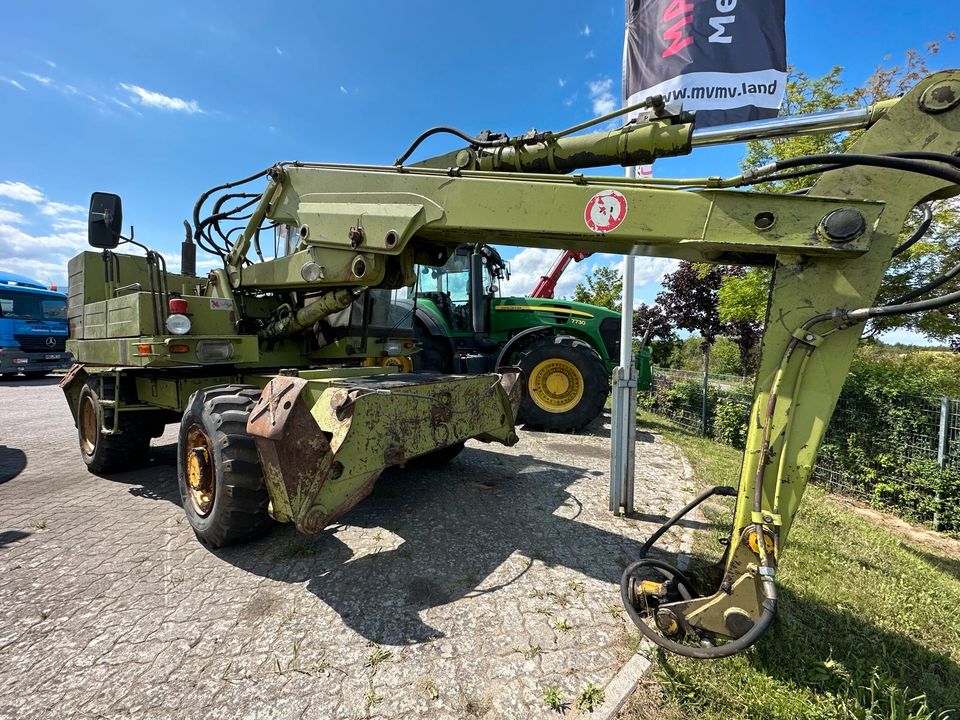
(567, 384)
(106, 454)
(221, 483)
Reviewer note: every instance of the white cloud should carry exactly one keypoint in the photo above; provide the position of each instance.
(653, 270)
(20, 191)
(589, 55)
(586, 31)
(124, 105)
(42, 79)
(561, 82)
(600, 96)
(10, 217)
(69, 225)
(149, 98)
(343, 90)
(40, 256)
(530, 264)
(527, 266)
(51, 63)
(10, 81)
(279, 51)
(570, 100)
(907, 337)
(58, 208)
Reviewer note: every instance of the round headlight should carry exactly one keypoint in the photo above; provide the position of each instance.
(178, 324)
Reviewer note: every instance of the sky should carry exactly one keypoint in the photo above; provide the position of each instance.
(160, 101)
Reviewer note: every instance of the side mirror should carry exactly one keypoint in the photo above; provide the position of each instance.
(105, 220)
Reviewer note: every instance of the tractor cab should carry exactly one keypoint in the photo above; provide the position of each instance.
(462, 289)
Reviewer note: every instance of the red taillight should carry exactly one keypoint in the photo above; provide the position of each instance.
(144, 349)
(177, 306)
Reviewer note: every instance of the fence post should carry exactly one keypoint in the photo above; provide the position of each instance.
(942, 440)
(706, 385)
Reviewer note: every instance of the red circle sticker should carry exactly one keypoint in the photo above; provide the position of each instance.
(605, 211)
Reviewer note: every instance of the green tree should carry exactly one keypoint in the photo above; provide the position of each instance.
(745, 298)
(602, 287)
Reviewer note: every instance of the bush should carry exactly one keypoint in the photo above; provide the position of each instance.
(730, 420)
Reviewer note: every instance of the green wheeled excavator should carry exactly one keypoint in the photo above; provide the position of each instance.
(261, 361)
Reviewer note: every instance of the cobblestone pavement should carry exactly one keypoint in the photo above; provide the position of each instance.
(462, 592)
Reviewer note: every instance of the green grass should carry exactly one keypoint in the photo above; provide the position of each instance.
(867, 625)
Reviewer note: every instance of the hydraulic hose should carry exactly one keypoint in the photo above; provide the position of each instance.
(714, 652)
(919, 232)
(768, 606)
(721, 490)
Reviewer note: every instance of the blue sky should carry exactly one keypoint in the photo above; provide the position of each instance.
(158, 102)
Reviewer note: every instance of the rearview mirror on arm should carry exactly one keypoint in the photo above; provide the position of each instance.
(105, 220)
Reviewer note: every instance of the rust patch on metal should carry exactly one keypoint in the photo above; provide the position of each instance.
(294, 452)
(317, 520)
(71, 376)
(511, 379)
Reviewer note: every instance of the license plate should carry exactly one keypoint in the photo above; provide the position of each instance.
(52, 357)
(21, 361)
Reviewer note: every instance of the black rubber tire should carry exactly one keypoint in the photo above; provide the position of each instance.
(128, 450)
(240, 503)
(434, 355)
(596, 384)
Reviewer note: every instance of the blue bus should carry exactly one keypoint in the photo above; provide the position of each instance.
(33, 327)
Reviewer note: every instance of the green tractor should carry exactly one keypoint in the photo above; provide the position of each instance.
(567, 350)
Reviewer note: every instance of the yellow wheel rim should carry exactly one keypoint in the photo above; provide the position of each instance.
(88, 426)
(555, 385)
(201, 483)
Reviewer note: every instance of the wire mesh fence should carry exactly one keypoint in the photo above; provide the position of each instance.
(897, 451)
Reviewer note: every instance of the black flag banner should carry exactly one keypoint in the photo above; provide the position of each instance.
(724, 59)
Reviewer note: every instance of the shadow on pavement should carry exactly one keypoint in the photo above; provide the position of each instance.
(13, 461)
(8, 537)
(443, 532)
(429, 537)
(21, 381)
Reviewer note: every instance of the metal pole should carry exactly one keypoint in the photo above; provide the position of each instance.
(706, 385)
(943, 439)
(623, 424)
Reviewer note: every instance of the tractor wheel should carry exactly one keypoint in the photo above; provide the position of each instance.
(106, 454)
(434, 355)
(566, 383)
(218, 470)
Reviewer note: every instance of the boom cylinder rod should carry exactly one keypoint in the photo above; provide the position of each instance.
(831, 121)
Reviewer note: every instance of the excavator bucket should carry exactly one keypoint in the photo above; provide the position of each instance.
(324, 442)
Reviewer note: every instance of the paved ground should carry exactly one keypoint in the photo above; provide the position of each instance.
(456, 593)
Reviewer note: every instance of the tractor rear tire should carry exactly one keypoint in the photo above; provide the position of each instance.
(221, 482)
(434, 355)
(566, 384)
(107, 454)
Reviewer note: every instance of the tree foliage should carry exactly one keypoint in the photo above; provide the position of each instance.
(602, 287)
(743, 298)
(690, 302)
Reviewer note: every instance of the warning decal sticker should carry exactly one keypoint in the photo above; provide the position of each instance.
(605, 211)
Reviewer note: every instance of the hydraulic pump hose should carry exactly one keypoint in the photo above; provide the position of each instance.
(768, 606)
(768, 610)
